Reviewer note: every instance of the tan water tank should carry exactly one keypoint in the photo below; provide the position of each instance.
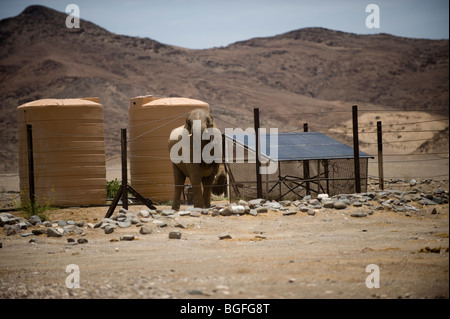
(151, 120)
(68, 148)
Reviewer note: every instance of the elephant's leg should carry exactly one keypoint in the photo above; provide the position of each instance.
(207, 187)
(197, 190)
(178, 178)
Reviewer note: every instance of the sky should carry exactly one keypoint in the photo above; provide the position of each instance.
(201, 24)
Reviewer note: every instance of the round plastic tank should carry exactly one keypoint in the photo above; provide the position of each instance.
(68, 151)
(151, 120)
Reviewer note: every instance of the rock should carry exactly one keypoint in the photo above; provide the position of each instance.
(434, 211)
(82, 241)
(35, 219)
(273, 206)
(168, 212)
(359, 214)
(289, 212)
(412, 182)
(80, 223)
(180, 225)
(124, 224)
(144, 213)
(22, 225)
(109, 229)
(238, 209)
(215, 212)
(437, 200)
(242, 203)
(225, 211)
(314, 202)
(175, 235)
(357, 204)
(127, 237)
(47, 224)
(134, 220)
(39, 231)
(439, 191)
(3, 219)
(145, 230)
(304, 209)
(322, 196)
(311, 212)
(261, 210)
(70, 240)
(32, 241)
(62, 223)
(184, 213)
(225, 235)
(285, 203)
(159, 223)
(328, 203)
(425, 201)
(339, 205)
(26, 234)
(256, 202)
(51, 232)
(194, 214)
(253, 212)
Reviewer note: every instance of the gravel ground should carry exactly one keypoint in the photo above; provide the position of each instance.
(271, 255)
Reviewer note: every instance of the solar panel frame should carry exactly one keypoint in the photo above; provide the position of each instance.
(299, 146)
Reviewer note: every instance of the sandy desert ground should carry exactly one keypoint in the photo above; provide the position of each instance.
(268, 256)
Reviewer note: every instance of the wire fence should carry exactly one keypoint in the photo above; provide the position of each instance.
(226, 118)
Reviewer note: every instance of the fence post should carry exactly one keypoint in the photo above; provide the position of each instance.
(356, 149)
(31, 189)
(380, 155)
(124, 168)
(257, 145)
(306, 165)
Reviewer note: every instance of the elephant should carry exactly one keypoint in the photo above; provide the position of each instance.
(201, 174)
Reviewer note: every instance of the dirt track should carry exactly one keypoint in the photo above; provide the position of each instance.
(268, 256)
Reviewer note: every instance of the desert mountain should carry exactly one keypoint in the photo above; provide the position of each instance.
(296, 77)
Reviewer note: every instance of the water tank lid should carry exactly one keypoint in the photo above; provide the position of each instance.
(91, 101)
(172, 101)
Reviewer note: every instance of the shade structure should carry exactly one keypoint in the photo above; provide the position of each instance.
(303, 163)
(68, 151)
(151, 119)
(297, 146)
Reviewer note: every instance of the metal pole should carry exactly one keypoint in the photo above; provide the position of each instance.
(380, 155)
(124, 168)
(306, 165)
(258, 163)
(31, 167)
(356, 149)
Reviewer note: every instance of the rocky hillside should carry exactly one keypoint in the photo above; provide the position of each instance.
(289, 76)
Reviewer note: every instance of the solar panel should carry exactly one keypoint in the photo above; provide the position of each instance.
(297, 146)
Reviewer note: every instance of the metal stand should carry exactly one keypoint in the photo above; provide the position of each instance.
(123, 190)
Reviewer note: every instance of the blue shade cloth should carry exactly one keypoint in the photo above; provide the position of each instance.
(297, 146)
